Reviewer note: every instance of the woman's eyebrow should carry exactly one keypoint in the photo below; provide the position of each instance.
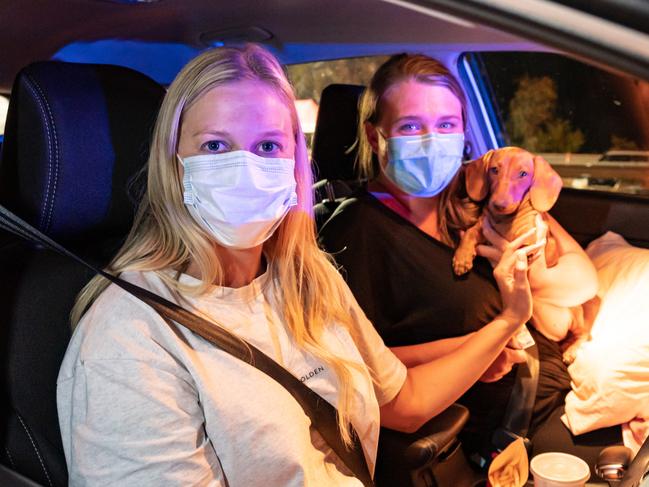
(204, 131)
(273, 133)
(408, 117)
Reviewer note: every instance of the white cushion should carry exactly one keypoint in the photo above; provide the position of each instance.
(610, 376)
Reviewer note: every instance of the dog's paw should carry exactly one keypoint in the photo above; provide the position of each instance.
(463, 259)
(462, 265)
(571, 345)
(570, 354)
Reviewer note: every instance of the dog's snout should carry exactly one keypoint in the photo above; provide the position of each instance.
(503, 206)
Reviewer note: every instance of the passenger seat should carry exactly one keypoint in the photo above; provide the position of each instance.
(334, 149)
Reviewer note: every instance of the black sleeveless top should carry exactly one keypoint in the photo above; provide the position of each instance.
(404, 281)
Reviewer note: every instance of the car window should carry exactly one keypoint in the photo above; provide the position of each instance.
(590, 124)
(309, 79)
(4, 105)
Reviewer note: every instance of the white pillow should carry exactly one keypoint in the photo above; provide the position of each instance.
(610, 375)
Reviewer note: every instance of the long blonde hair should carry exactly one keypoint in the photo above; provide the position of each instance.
(302, 282)
(455, 209)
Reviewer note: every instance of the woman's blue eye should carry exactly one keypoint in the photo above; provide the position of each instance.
(409, 127)
(213, 146)
(268, 147)
(446, 125)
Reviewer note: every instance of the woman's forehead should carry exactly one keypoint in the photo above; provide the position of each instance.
(415, 98)
(248, 102)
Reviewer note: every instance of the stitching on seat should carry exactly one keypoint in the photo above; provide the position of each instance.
(56, 155)
(11, 460)
(49, 144)
(38, 453)
(50, 190)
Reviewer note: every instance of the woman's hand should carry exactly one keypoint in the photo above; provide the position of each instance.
(510, 355)
(511, 276)
(493, 252)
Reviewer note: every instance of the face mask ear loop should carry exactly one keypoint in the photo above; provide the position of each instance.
(182, 163)
(467, 151)
(381, 135)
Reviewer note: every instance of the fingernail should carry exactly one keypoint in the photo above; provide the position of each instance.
(521, 261)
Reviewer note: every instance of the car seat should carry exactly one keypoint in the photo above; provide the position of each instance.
(334, 148)
(76, 136)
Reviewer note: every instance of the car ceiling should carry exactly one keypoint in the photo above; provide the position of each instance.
(169, 32)
(32, 30)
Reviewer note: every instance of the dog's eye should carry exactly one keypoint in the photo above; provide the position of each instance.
(493, 170)
(522, 174)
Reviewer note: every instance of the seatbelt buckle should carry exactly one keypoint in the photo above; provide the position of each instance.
(502, 438)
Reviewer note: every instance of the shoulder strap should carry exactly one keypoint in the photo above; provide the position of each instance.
(518, 412)
(322, 414)
(521, 402)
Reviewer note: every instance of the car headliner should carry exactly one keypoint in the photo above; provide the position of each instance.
(170, 31)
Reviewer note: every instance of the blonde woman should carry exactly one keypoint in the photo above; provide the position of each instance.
(395, 241)
(225, 229)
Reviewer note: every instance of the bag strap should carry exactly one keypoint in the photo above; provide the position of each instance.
(322, 414)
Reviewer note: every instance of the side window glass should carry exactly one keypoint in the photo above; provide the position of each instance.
(309, 79)
(590, 124)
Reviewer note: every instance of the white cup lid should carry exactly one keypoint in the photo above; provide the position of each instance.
(560, 467)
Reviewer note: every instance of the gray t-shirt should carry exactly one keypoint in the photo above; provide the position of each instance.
(144, 403)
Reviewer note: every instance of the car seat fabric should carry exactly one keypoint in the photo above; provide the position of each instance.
(73, 131)
(334, 149)
(335, 132)
(76, 136)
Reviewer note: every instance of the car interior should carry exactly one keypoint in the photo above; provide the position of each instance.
(85, 81)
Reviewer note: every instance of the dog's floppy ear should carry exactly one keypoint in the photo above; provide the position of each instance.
(477, 185)
(546, 185)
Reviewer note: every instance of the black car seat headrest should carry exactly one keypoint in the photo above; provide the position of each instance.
(335, 132)
(76, 134)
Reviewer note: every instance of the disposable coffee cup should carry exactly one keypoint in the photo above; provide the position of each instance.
(559, 470)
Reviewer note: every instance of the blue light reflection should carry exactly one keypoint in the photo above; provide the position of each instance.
(160, 61)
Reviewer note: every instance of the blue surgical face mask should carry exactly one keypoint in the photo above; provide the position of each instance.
(423, 165)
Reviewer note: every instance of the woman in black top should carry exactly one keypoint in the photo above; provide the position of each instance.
(395, 241)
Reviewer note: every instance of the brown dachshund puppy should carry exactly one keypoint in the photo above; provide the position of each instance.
(518, 186)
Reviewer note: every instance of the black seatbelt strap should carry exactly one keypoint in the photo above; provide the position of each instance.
(322, 414)
(518, 413)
